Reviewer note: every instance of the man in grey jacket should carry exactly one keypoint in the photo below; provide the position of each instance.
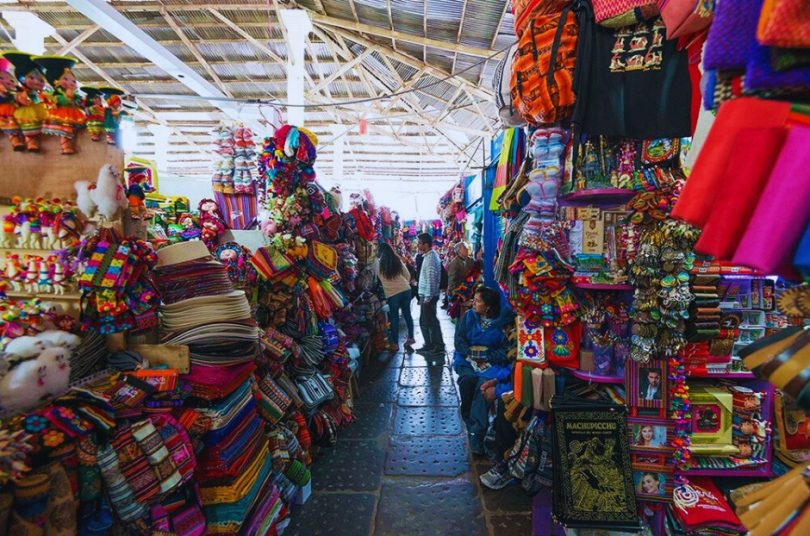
(429, 282)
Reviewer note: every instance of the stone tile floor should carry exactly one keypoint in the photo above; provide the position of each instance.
(404, 468)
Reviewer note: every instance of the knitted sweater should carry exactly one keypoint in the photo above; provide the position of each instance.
(430, 276)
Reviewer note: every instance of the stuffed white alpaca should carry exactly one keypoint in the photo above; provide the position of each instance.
(28, 383)
(27, 347)
(57, 337)
(57, 374)
(24, 386)
(108, 195)
(83, 200)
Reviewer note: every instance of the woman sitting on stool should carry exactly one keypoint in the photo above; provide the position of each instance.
(481, 362)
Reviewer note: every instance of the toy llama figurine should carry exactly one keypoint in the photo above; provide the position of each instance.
(13, 269)
(58, 279)
(32, 275)
(44, 282)
(22, 227)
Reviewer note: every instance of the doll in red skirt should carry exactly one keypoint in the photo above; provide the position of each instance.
(66, 113)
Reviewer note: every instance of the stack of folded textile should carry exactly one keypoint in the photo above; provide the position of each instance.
(201, 310)
(235, 463)
(704, 312)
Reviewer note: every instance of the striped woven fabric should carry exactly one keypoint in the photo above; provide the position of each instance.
(608, 9)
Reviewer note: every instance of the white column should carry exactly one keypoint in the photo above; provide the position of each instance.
(29, 31)
(298, 26)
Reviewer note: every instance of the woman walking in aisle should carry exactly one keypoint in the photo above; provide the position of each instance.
(396, 283)
(483, 368)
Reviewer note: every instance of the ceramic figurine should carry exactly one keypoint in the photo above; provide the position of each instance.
(35, 225)
(58, 279)
(112, 114)
(8, 105)
(12, 271)
(66, 114)
(31, 274)
(22, 228)
(47, 215)
(44, 282)
(32, 111)
(94, 110)
(9, 239)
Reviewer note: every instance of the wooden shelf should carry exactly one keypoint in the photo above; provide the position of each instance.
(68, 296)
(598, 196)
(596, 378)
(604, 286)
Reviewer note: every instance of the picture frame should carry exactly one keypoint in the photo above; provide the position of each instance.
(654, 485)
(648, 387)
(650, 435)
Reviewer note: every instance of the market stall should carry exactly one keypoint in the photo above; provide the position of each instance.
(649, 295)
(160, 370)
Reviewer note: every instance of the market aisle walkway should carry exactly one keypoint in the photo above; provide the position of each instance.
(404, 467)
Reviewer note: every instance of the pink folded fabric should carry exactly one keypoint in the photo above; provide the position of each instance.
(782, 212)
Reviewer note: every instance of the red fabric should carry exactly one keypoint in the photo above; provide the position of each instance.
(364, 226)
(758, 149)
(694, 48)
(706, 181)
(711, 509)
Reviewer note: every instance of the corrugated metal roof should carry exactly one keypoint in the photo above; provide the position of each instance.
(439, 114)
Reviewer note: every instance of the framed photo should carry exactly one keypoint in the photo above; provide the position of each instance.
(650, 434)
(647, 387)
(653, 485)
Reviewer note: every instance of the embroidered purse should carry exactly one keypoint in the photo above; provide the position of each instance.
(619, 13)
(684, 17)
(314, 390)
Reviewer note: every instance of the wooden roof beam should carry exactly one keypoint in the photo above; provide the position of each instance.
(78, 40)
(399, 36)
(506, 4)
(436, 72)
(343, 68)
(194, 52)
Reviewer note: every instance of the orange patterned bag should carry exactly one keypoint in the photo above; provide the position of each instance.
(543, 69)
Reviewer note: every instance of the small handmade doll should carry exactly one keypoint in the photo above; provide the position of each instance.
(211, 222)
(94, 109)
(31, 112)
(8, 105)
(137, 189)
(66, 113)
(112, 114)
